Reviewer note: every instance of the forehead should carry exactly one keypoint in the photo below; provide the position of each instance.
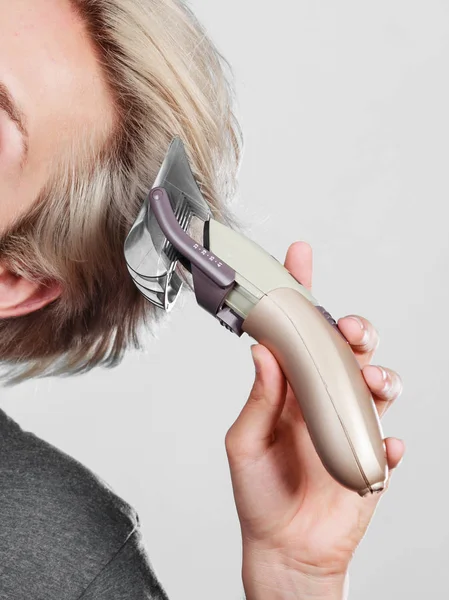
(49, 64)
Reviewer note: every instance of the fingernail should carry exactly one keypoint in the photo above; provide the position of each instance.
(384, 373)
(387, 381)
(362, 327)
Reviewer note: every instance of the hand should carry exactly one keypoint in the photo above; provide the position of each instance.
(298, 524)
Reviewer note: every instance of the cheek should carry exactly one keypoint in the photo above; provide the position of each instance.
(11, 146)
(17, 187)
(10, 161)
(15, 201)
(8, 202)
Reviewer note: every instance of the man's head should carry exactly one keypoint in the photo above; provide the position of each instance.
(91, 93)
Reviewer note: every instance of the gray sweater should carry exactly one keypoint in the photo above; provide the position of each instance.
(64, 534)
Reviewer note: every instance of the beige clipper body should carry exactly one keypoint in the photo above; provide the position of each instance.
(317, 361)
(249, 291)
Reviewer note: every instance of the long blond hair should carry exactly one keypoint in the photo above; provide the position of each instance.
(167, 78)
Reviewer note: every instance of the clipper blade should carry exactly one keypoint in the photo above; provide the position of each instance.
(151, 259)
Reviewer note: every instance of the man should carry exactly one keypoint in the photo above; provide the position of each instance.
(91, 93)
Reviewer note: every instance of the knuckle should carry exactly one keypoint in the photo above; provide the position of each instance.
(236, 448)
(370, 339)
(230, 441)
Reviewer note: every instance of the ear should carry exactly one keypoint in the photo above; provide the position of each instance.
(18, 296)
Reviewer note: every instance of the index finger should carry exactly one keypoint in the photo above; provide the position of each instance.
(299, 261)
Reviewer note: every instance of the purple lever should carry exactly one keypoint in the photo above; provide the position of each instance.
(214, 268)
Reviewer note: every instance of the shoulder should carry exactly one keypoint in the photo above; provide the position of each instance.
(129, 574)
(55, 514)
(38, 477)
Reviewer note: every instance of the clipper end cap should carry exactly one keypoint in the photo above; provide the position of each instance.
(376, 488)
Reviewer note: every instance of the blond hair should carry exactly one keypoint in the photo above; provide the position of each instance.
(167, 78)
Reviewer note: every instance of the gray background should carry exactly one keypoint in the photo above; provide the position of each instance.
(345, 112)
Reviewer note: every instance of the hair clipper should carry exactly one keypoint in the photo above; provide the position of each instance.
(249, 291)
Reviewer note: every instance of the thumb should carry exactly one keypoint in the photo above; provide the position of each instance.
(253, 431)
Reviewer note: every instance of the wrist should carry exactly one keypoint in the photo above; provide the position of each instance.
(271, 577)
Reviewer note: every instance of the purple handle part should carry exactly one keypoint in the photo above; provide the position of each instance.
(330, 319)
(218, 271)
(208, 294)
(229, 319)
(328, 316)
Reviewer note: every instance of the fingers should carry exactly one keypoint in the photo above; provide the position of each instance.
(253, 431)
(299, 262)
(385, 385)
(361, 335)
(395, 452)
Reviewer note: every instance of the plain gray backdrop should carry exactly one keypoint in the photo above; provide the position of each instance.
(344, 107)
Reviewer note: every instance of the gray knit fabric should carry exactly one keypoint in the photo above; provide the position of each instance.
(64, 534)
